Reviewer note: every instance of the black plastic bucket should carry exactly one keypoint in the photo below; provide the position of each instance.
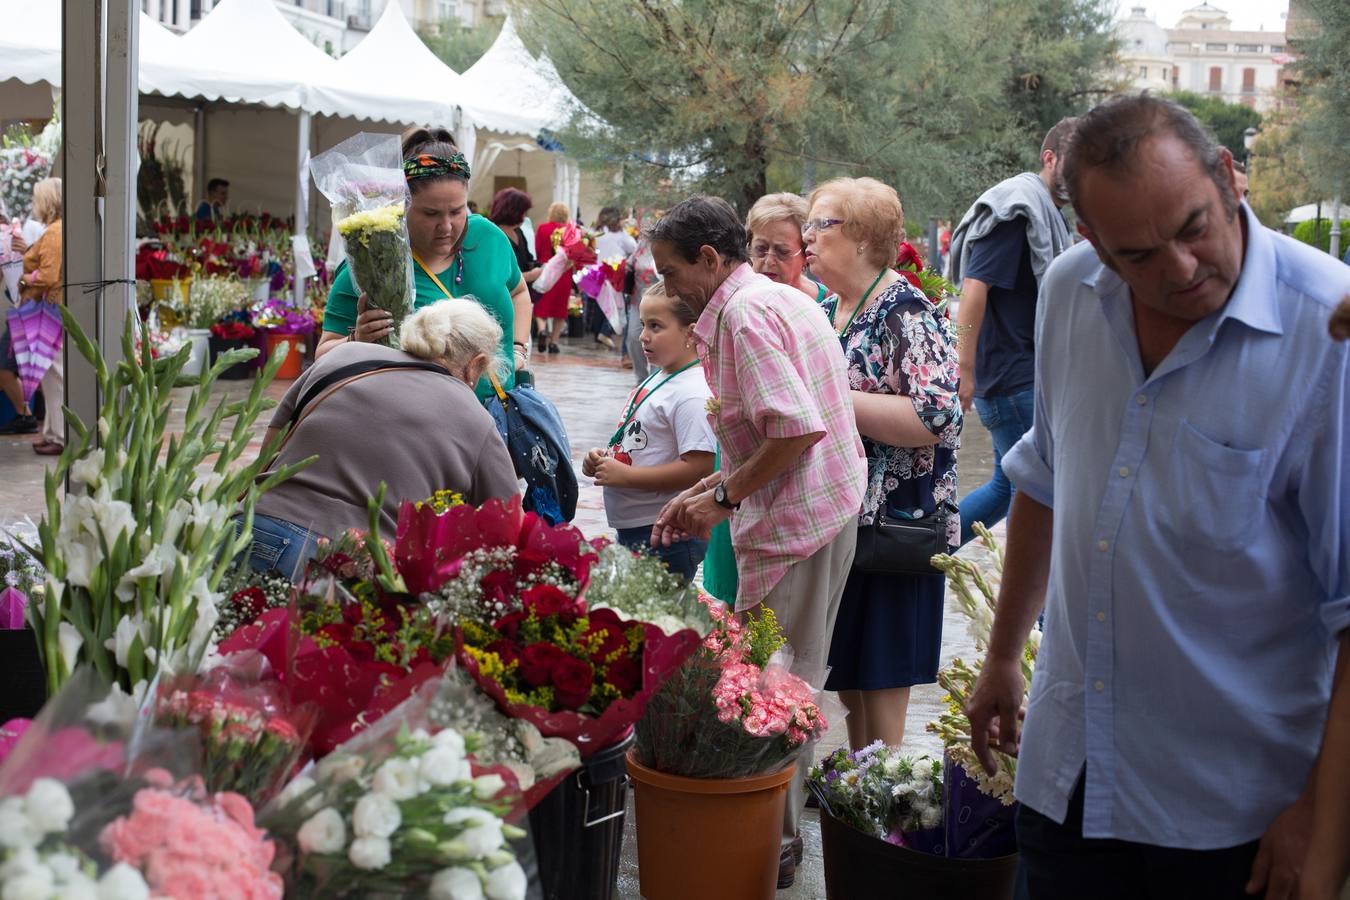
(238, 370)
(21, 673)
(578, 828)
(859, 865)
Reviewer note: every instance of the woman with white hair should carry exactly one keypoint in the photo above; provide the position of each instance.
(372, 414)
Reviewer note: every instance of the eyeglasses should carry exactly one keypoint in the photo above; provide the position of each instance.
(779, 252)
(811, 225)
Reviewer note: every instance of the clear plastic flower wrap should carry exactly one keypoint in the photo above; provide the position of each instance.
(734, 708)
(98, 801)
(363, 179)
(401, 810)
(640, 586)
(252, 734)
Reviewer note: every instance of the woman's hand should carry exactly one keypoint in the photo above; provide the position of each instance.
(17, 244)
(372, 325)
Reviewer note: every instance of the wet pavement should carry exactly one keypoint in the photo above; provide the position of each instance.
(589, 388)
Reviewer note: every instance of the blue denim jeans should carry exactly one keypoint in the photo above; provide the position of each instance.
(681, 558)
(1007, 418)
(280, 546)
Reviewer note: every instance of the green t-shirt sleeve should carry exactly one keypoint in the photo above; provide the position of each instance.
(502, 255)
(339, 314)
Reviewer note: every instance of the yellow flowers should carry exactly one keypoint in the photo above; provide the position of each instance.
(442, 501)
(361, 225)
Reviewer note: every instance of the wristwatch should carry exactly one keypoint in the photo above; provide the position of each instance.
(720, 497)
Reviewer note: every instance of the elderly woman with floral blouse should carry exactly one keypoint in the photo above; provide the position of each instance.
(903, 374)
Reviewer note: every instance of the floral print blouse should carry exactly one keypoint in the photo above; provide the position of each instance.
(901, 344)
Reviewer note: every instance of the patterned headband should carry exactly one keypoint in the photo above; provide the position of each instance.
(424, 165)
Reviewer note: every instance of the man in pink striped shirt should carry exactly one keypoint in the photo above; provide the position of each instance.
(793, 470)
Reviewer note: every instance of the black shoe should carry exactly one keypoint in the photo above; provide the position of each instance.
(797, 848)
(787, 868)
(541, 343)
(553, 349)
(20, 425)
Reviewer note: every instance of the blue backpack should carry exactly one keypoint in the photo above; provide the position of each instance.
(537, 441)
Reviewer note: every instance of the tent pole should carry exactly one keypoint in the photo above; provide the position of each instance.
(83, 190)
(301, 194)
(122, 161)
(198, 158)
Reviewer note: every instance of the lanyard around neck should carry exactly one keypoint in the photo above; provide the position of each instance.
(432, 275)
(640, 398)
(861, 303)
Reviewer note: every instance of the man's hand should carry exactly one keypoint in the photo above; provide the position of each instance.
(995, 711)
(699, 513)
(372, 325)
(965, 388)
(669, 528)
(1279, 861)
(609, 472)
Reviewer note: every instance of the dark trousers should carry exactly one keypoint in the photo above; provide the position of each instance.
(1058, 863)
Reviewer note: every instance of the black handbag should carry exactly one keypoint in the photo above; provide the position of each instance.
(899, 546)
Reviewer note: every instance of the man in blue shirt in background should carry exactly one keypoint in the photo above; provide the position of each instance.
(1181, 512)
(999, 252)
(213, 207)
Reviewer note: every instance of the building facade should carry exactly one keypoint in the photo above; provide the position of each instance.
(1203, 54)
(336, 26)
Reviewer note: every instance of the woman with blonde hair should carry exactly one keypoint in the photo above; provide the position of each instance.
(421, 430)
(40, 292)
(550, 309)
(903, 374)
(777, 250)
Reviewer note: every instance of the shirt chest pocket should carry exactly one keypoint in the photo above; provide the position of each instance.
(1218, 491)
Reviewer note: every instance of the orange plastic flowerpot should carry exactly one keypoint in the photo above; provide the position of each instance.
(294, 343)
(709, 838)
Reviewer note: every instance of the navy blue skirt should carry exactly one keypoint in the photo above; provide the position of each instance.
(888, 633)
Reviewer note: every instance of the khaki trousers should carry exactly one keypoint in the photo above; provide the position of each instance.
(806, 602)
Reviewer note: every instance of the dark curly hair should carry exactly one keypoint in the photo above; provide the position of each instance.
(509, 207)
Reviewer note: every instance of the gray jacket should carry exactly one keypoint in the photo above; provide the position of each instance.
(1022, 195)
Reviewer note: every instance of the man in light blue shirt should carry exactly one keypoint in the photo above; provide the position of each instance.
(1182, 512)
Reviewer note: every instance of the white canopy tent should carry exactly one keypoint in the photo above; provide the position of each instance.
(1308, 212)
(513, 96)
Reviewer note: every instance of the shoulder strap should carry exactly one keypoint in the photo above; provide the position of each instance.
(351, 370)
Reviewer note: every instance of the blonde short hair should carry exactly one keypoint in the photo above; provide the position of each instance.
(773, 208)
(558, 213)
(454, 331)
(47, 200)
(872, 213)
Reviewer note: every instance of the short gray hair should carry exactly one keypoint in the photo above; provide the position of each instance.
(1109, 138)
(454, 331)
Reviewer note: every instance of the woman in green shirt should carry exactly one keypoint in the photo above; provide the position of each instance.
(453, 251)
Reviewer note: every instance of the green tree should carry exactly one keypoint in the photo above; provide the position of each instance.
(1323, 84)
(1228, 121)
(460, 47)
(742, 98)
(1278, 172)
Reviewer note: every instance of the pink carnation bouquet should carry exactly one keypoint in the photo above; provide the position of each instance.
(734, 708)
(191, 845)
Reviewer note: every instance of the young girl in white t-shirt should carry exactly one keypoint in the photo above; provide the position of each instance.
(663, 443)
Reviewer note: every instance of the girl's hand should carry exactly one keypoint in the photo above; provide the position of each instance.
(372, 325)
(592, 460)
(609, 472)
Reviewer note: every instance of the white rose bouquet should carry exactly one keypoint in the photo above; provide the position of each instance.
(377, 818)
